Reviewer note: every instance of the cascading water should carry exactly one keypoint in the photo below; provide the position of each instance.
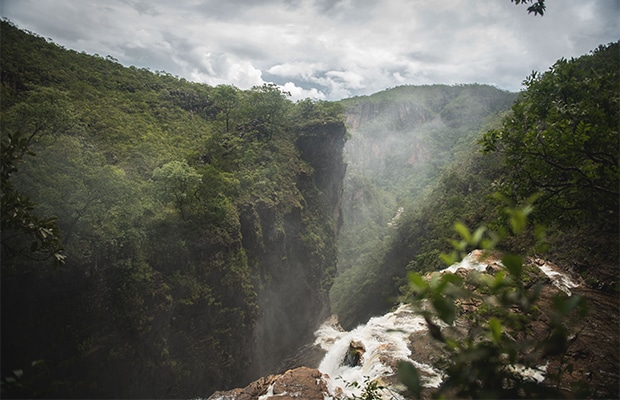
(371, 353)
(386, 341)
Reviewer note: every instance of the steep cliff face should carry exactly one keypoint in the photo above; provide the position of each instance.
(294, 250)
(214, 304)
(322, 146)
(416, 124)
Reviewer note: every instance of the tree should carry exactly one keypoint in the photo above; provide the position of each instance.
(484, 361)
(177, 182)
(18, 219)
(226, 100)
(308, 112)
(265, 108)
(561, 138)
(41, 112)
(96, 204)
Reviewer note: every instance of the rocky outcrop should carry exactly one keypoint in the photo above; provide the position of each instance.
(299, 383)
(354, 355)
(322, 147)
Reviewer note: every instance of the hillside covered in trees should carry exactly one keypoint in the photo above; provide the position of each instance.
(493, 218)
(193, 242)
(166, 239)
(402, 140)
(552, 159)
(441, 156)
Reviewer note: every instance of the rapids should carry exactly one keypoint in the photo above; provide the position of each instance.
(386, 341)
(371, 352)
(387, 338)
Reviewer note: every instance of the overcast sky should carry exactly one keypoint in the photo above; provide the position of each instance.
(326, 49)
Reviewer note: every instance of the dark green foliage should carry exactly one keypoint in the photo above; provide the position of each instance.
(190, 216)
(41, 112)
(537, 7)
(561, 139)
(485, 363)
(371, 391)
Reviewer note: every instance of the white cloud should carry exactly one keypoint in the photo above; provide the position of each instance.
(331, 48)
(299, 93)
(227, 69)
(299, 69)
(350, 79)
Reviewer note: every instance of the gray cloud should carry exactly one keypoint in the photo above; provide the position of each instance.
(326, 48)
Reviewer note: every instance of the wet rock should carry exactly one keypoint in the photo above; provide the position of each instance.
(299, 383)
(250, 392)
(356, 350)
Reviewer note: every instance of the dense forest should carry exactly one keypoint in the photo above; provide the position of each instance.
(160, 238)
(446, 151)
(166, 239)
(529, 175)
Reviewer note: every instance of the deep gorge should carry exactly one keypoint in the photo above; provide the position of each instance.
(210, 231)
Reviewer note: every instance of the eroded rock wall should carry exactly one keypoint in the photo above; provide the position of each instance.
(294, 251)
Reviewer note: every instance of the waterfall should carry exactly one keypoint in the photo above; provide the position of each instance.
(385, 340)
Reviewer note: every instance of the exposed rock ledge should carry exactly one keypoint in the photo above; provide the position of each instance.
(298, 383)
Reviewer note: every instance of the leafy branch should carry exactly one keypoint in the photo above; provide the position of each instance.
(537, 6)
(487, 359)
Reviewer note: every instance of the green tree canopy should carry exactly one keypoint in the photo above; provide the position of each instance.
(226, 100)
(41, 111)
(561, 138)
(177, 182)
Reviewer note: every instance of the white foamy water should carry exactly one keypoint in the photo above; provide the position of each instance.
(386, 341)
(559, 279)
(471, 262)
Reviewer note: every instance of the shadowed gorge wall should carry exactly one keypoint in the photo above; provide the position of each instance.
(296, 252)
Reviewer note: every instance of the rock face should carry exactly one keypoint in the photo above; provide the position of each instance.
(299, 383)
(295, 252)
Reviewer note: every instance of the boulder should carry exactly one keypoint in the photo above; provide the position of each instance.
(356, 350)
(298, 383)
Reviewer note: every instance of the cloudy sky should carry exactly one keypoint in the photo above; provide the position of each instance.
(326, 49)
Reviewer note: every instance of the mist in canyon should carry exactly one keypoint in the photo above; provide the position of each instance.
(204, 235)
(400, 142)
